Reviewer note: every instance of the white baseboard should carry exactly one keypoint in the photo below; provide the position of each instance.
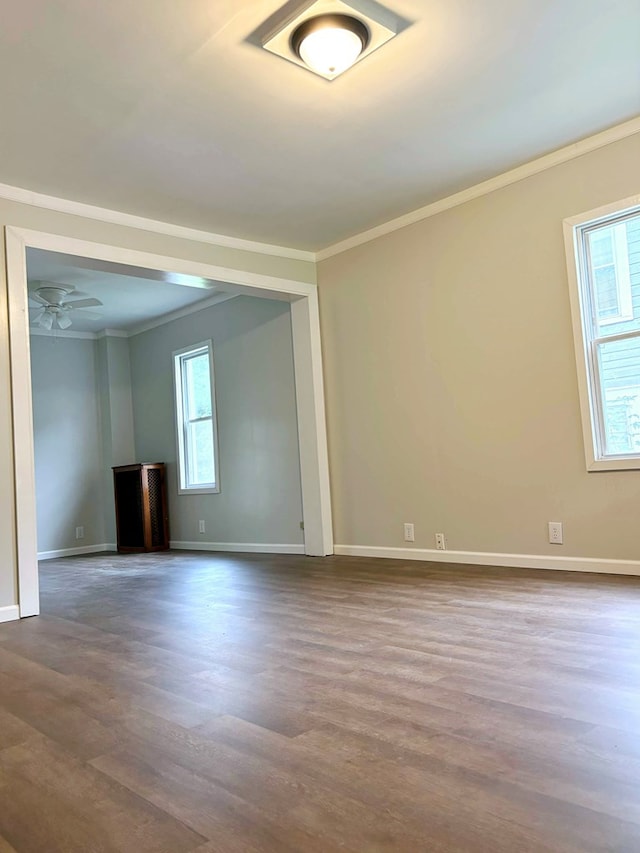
(429, 555)
(72, 552)
(238, 547)
(486, 558)
(9, 613)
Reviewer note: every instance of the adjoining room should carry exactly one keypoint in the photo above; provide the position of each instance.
(106, 393)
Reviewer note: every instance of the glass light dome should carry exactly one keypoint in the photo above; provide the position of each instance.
(329, 44)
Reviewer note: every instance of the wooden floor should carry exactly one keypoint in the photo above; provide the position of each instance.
(227, 704)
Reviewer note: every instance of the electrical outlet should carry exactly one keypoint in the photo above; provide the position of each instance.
(441, 545)
(409, 534)
(79, 532)
(555, 532)
(201, 525)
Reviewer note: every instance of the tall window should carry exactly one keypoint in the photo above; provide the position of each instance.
(604, 271)
(196, 419)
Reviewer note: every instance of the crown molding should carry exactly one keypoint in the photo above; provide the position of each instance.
(533, 167)
(526, 170)
(62, 333)
(84, 336)
(156, 226)
(111, 333)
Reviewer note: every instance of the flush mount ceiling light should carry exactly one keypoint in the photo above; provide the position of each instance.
(329, 36)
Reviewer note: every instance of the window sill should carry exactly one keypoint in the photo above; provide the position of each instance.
(618, 463)
(208, 490)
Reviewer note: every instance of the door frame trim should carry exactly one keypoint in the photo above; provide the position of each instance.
(309, 384)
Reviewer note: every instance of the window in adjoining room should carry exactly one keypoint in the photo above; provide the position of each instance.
(196, 419)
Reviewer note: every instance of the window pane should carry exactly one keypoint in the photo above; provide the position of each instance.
(200, 453)
(620, 381)
(604, 279)
(614, 261)
(601, 245)
(198, 386)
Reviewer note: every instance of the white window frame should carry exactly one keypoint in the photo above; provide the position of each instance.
(586, 339)
(179, 358)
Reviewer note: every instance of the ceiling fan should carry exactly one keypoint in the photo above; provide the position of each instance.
(55, 309)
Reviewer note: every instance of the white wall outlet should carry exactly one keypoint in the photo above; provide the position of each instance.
(409, 533)
(201, 525)
(555, 532)
(79, 532)
(441, 545)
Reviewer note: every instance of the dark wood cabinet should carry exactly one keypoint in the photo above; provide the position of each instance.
(142, 520)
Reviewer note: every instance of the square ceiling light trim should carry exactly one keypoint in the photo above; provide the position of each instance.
(381, 24)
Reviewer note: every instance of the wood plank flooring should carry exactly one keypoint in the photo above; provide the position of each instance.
(182, 702)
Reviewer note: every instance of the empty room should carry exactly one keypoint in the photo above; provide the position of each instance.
(320, 427)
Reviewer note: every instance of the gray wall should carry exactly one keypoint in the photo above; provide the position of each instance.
(68, 449)
(116, 413)
(452, 396)
(260, 499)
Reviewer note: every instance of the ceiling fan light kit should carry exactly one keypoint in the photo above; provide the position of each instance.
(45, 320)
(329, 36)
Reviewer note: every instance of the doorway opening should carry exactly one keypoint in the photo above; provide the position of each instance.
(98, 389)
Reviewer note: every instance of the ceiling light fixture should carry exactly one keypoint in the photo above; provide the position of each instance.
(330, 36)
(52, 305)
(329, 44)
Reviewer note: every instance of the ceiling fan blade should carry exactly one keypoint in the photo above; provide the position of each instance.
(82, 313)
(82, 303)
(64, 321)
(35, 297)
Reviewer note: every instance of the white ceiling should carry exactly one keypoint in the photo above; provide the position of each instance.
(167, 110)
(130, 297)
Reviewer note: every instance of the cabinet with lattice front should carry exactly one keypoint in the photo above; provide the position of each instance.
(142, 520)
